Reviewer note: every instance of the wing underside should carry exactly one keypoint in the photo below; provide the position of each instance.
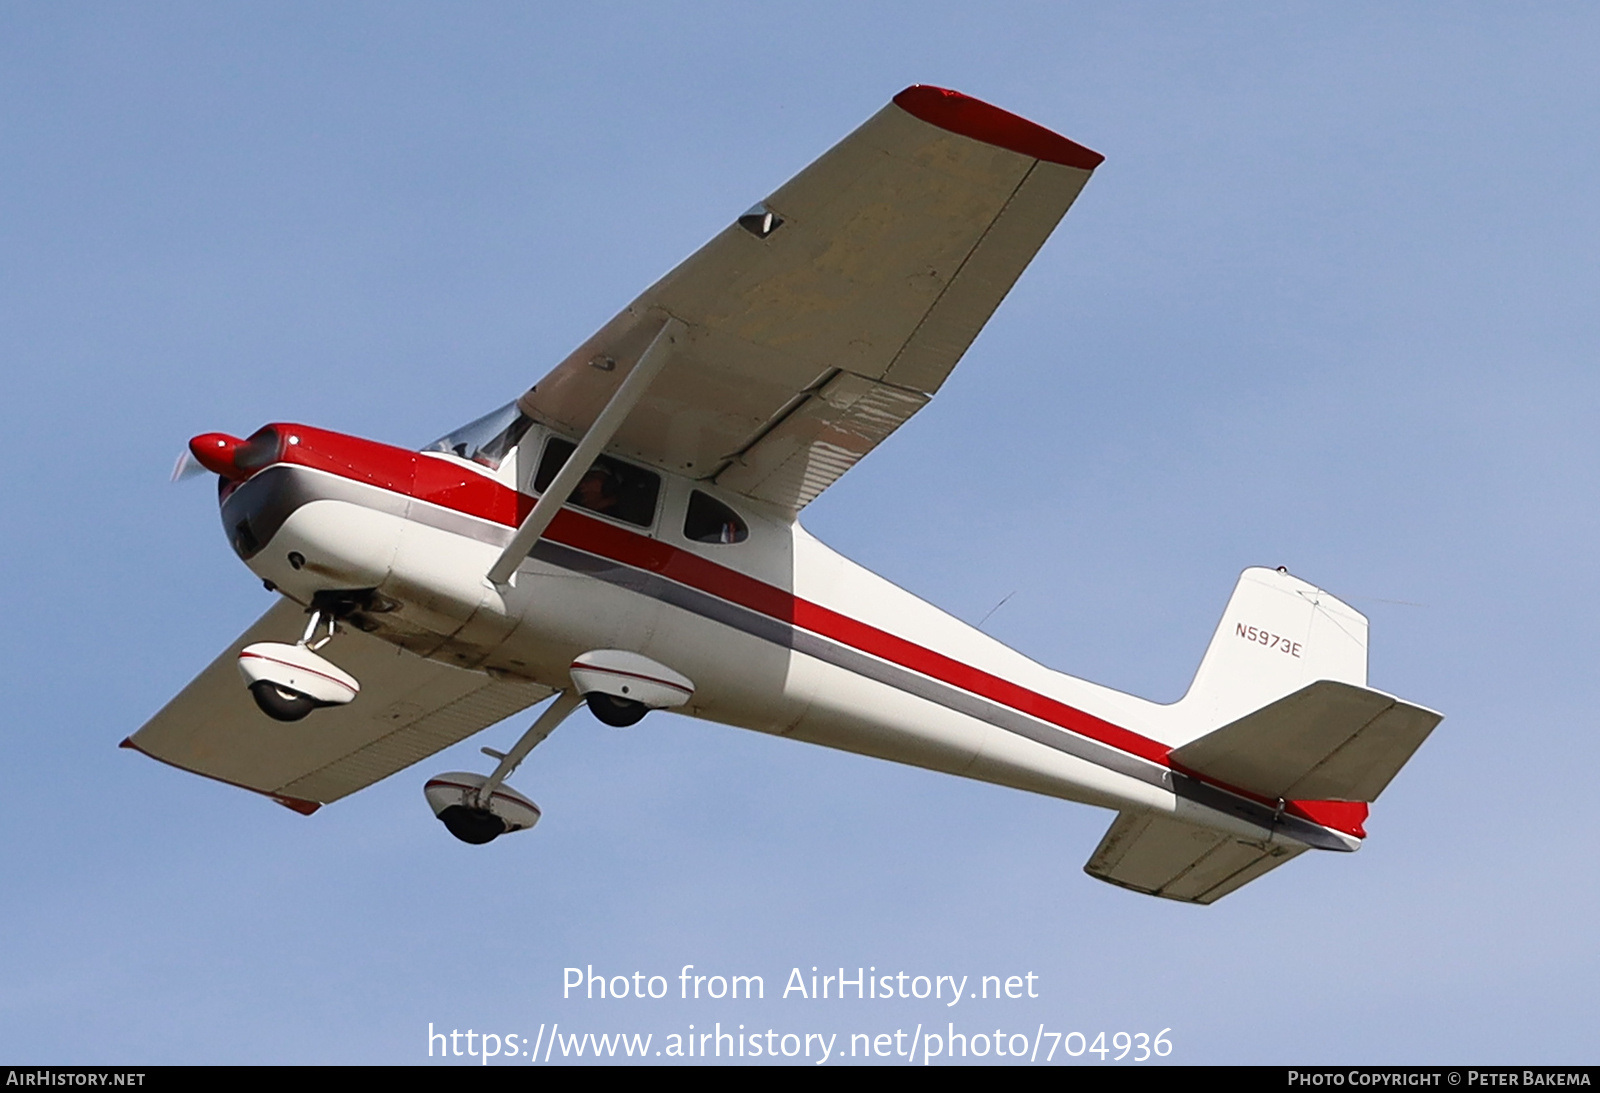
(824, 320)
(408, 709)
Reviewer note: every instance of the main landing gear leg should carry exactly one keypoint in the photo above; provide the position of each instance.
(479, 810)
(554, 714)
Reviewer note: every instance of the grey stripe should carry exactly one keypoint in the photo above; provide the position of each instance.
(459, 523)
(264, 501)
(655, 587)
(756, 624)
(268, 499)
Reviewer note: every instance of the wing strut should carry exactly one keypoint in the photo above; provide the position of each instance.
(605, 426)
(555, 713)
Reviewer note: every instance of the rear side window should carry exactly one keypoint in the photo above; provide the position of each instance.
(710, 521)
(610, 487)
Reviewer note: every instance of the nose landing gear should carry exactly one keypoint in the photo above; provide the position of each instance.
(289, 681)
(279, 702)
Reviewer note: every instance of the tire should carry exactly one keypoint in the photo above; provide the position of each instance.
(472, 825)
(619, 713)
(280, 703)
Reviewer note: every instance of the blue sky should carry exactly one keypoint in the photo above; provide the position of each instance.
(1330, 304)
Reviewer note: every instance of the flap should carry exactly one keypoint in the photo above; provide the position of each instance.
(819, 440)
(408, 709)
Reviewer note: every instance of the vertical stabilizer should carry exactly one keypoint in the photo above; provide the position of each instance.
(1277, 635)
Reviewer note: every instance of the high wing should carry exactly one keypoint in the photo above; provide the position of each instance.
(409, 709)
(825, 317)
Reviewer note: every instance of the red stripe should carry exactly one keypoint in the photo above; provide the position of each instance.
(299, 668)
(589, 534)
(576, 665)
(441, 483)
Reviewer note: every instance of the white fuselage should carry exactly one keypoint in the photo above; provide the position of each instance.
(778, 633)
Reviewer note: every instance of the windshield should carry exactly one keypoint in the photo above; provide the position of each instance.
(489, 439)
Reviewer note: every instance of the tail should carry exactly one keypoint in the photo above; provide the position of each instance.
(1277, 635)
(1279, 710)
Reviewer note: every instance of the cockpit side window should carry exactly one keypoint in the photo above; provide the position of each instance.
(610, 487)
(710, 521)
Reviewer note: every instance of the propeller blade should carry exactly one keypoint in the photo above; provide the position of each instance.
(186, 467)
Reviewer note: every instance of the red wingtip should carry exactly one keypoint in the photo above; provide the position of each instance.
(305, 808)
(958, 113)
(127, 742)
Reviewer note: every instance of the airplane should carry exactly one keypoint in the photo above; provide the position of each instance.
(427, 595)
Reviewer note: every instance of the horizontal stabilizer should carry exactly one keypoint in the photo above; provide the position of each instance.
(1328, 741)
(1164, 857)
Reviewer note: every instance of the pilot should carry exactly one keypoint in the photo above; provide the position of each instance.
(598, 490)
